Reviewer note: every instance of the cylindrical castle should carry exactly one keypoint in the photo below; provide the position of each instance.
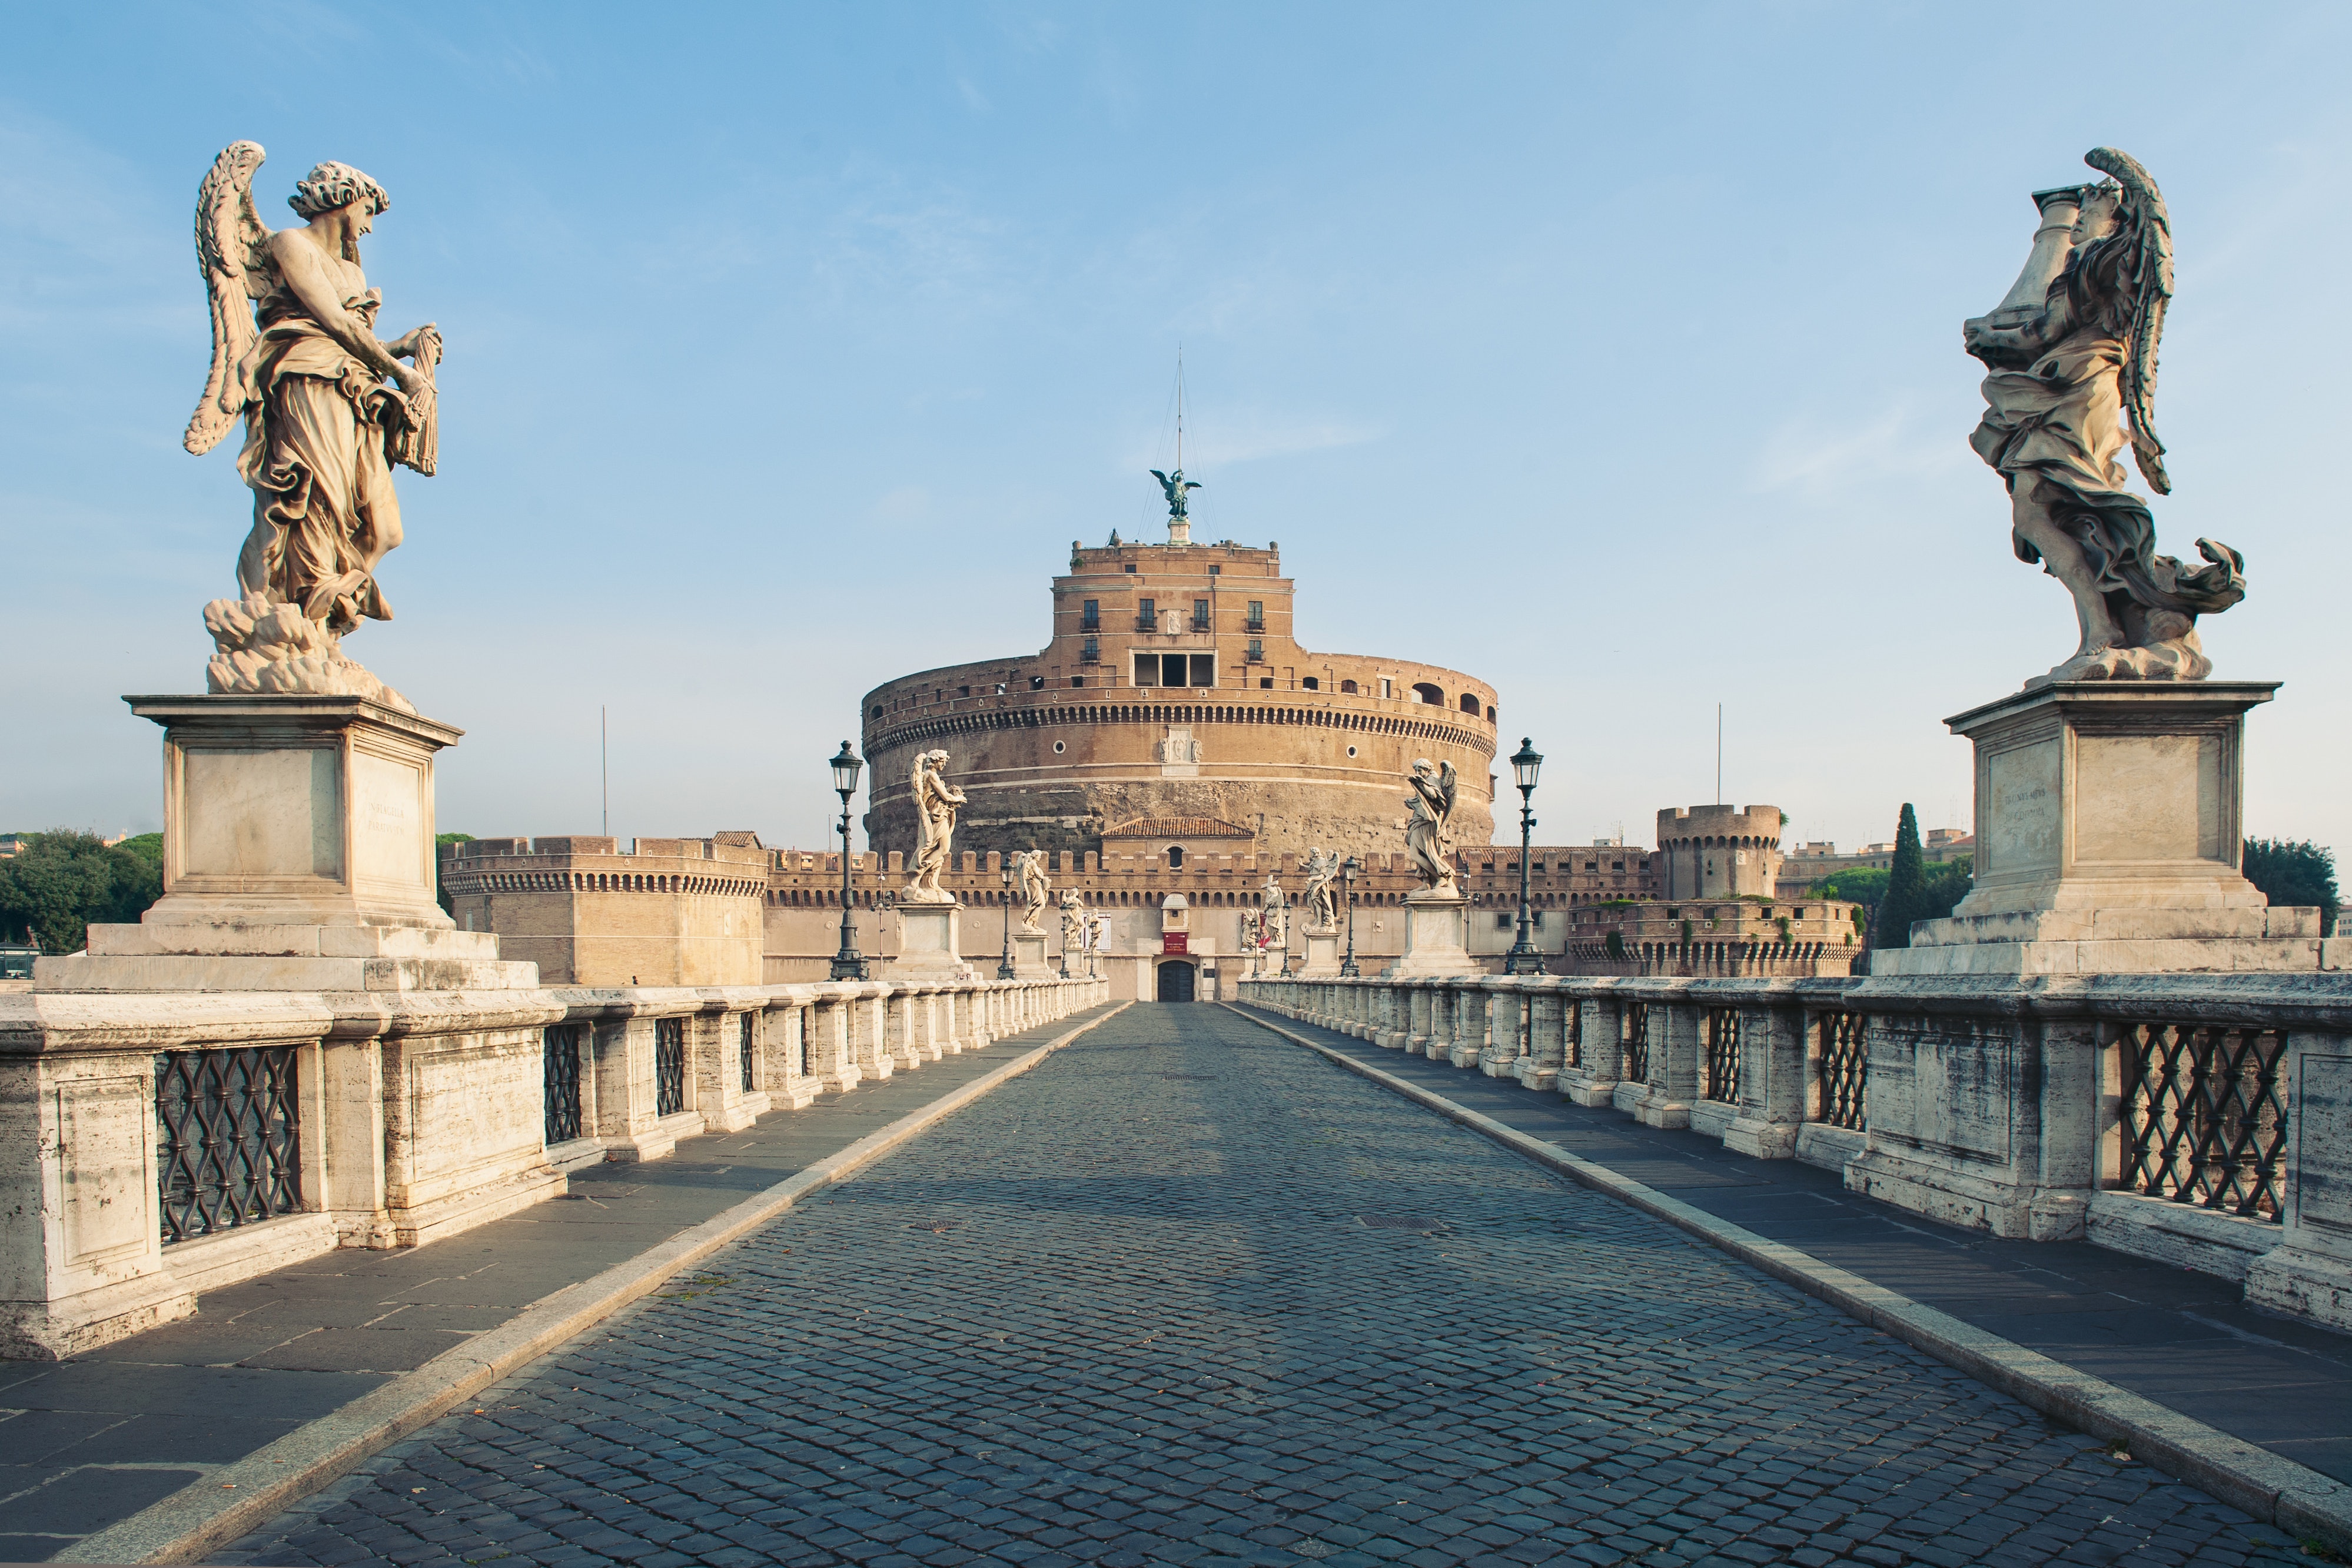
(1172, 702)
(1719, 851)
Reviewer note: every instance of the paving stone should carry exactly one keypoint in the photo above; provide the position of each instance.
(1157, 1332)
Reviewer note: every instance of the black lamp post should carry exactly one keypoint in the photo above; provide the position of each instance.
(1523, 958)
(1348, 869)
(849, 963)
(1012, 877)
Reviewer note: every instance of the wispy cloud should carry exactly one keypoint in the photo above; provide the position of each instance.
(1817, 456)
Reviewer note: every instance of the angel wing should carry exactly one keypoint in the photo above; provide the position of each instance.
(1156, 474)
(2150, 227)
(233, 254)
(1446, 780)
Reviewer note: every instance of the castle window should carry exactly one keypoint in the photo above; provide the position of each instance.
(1204, 668)
(1147, 616)
(1346, 688)
(1200, 615)
(963, 691)
(1130, 566)
(1091, 651)
(1257, 651)
(1312, 684)
(1426, 692)
(1058, 748)
(1257, 615)
(1036, 683)
(1502, 922)
(1352, 750)
(1175, 856)
(1265, 682)
(1077, 681)
(1470, 704)
(1388, 687)
(878, 713)
(1091, 618)
(1216, 571)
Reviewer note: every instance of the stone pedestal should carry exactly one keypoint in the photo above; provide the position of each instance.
(298, 856)
(2107, 828)
(929, 938)
(1435, 928)
(1322, 954)
(1030, 959)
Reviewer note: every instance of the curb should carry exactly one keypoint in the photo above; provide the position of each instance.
(2277, 1491)
(207, 1513)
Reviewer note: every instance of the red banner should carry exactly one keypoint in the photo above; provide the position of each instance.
(1175, 941)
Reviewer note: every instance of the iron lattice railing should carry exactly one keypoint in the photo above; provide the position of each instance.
(1637, 1042)
(227, 1147)
(1723, 1055)
(749, 1051)
(2204, 1123)
(1844, 1070)
(669, 1065)
(560, 1054)
(1573, 1047)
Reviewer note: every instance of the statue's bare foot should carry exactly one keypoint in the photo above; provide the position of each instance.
(2173, 658)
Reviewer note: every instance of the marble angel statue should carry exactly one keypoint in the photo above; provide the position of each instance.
(2072, 354)
(1429, 827)
(936, 802)
(1036, 888)
(1319, 898)
(327, 409)
(1074, 922)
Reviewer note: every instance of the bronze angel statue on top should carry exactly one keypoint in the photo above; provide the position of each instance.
(327, 409)
(2071, 351)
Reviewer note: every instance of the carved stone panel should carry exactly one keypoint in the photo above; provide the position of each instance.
(2322, 1143)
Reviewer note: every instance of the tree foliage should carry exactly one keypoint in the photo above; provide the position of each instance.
(62, 881)
(440, 893)
(1864, 884)
(2290, 873)
(1906, 881)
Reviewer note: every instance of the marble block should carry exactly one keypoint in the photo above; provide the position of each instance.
(1030, 960)
(929, 938)
(1435, 929)
(1322, 954)
(2108, 823)
(298, 856)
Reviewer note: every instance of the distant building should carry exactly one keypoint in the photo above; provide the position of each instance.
(1808, 866)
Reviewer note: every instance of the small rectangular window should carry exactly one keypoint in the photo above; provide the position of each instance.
(1313, 683)
(1204, 669)
(1503, 923)
(1387, 686)
(1257, 651)
(1091, 651)
(1077, 681)
(1256, 614)
(1214, 571)
(1092, 615)
(1130, 566)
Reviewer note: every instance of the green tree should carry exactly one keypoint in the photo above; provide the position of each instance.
(1944, 885)
(1864, 884)
(1906, 880)
(2290, 873)
(63, 881)
(441, 894)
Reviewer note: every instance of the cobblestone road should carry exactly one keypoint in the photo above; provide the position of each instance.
(1187, 1294)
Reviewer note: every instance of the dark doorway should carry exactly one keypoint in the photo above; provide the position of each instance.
(1175, 983)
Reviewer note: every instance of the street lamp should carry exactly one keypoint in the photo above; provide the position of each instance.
(1012, 878)
(849, 963)
(1348, 869)
(1526, 763)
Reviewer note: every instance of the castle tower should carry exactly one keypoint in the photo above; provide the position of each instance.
(1171, 692)
(1719, 851)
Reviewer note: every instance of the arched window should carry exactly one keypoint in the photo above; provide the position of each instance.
(1312, 683)
(1470, 702)
(1346, 688)
(1424, 691)
(1175, 856)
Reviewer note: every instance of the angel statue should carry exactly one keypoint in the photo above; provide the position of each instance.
(1177, 489)
(1428, 829)
(328, 410)
(2072, 354)
(1321, 904)
(1036, 889)
(936, 801)
(1074, 922)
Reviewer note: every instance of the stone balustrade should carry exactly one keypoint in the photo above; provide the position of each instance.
(155, 1145)
(2204, 1120)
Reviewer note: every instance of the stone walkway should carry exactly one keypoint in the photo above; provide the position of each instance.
(88, 1442)
(1187, 1294)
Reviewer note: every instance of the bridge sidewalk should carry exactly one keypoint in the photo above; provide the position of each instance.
(2182, 1340)
(91, 1441)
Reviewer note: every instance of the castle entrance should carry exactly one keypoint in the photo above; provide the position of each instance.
(1176, 980)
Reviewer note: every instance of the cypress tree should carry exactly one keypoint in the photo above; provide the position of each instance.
(1906, 881)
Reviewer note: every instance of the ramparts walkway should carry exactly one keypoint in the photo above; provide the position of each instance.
(1187, 1293)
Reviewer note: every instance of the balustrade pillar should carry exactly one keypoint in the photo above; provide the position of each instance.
(1772, 1087)
(1469, 1039)
(1504, 1003)
(1674, 1051)
(1541, 1067)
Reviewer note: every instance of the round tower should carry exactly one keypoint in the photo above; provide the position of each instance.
(1719, 851)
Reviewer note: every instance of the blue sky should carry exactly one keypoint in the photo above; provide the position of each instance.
(1609, 354)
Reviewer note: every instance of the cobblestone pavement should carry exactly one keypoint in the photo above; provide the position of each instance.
(1187, 1294)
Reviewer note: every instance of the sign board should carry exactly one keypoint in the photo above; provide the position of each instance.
(1175, 941)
